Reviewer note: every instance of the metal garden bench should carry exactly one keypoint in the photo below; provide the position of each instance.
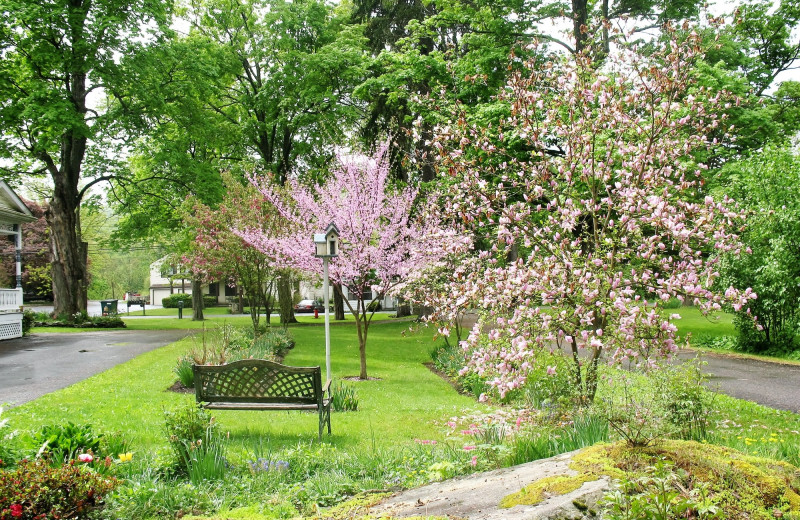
(258, 384)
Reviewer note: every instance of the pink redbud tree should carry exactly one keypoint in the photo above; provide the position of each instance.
(381, 241)
(218, 253)
(590, 201)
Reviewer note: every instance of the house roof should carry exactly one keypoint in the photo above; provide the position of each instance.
(12, 209)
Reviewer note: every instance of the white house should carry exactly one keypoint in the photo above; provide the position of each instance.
(162, 271)
(13, 213)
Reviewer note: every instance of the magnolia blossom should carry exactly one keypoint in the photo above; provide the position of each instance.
(603, 220)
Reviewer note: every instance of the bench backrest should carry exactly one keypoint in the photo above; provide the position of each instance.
(257, 381)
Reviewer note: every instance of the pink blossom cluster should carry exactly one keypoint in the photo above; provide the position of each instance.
(381, 241)
(602, 222)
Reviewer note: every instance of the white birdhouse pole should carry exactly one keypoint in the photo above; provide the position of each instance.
(326, 247)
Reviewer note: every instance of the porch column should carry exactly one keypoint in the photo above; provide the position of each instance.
(18, 253)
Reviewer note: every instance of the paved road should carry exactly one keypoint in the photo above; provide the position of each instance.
(41, 363)
(776, 385)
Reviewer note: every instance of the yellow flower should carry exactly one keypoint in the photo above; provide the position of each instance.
(125, 457)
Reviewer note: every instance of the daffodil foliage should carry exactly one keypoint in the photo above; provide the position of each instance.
(592, 212)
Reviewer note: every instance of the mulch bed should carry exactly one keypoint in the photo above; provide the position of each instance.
(180, 389)
(356, 378)
(452, 382)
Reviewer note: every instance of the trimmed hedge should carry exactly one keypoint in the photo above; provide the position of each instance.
(171, 301)
(210, 301)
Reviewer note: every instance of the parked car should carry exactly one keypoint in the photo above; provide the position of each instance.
(309, 306)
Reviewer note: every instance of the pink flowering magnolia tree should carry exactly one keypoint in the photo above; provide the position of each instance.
(592, 205)
(381, 241)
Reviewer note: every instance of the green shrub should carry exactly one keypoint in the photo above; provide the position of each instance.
(210, 301)
(191, 433)
(28, 317)
(660, 494)
(686, 402)
(272, 345)
(171, 301)
(343, 398)
(79, 319)
(669, 402)
(672, 303)
(185, 372)
(37, 490)
(550, 383)
(8, 452)
(61, 443)
(374, 306)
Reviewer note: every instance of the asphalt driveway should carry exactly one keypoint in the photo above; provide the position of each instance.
(776, 385)
(41, 363)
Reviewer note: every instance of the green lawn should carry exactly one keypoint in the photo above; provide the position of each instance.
(213, 311)
(213, 321)
(407, 401)
(692, 321)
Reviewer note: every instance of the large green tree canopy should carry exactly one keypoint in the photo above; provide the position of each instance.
(57, 54)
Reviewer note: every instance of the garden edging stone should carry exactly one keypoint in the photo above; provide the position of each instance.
(477, 497)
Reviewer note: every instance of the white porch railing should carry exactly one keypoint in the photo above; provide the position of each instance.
(10, 300)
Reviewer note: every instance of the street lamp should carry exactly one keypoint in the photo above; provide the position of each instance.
(326, 247)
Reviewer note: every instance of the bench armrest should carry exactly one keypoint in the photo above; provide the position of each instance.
(326, 389)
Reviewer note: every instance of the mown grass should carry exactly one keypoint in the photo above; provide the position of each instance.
(213, 321)
(405, 401)
(693, 322)
(213, 311)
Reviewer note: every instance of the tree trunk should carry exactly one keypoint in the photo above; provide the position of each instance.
(197, 300)
(580, 24)
(285, 300)
(68, 252)
(403, 308)
(423, 311)
(338, 302)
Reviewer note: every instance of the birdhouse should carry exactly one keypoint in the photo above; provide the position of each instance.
(327, 243)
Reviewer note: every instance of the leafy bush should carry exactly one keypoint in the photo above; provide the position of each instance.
(374, 306)
(61, 443)
(716, 342)
(171, 301)
(668, 402)
(184, 371)
(672, 303)
(768, 185)
(79, 319)
(210, 301)
(550, 383)
(272, 345)
(192, 435)
(686, 402)
(343, 398)
(28, 317)
(8, 453)
(37, 490)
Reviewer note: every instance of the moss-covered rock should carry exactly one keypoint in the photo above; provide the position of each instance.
(541, 489)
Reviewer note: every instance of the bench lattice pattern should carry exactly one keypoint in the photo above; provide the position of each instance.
(259, 381)
(258, 384)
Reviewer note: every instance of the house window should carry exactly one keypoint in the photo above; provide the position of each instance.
(213, 289)
(230, 291)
